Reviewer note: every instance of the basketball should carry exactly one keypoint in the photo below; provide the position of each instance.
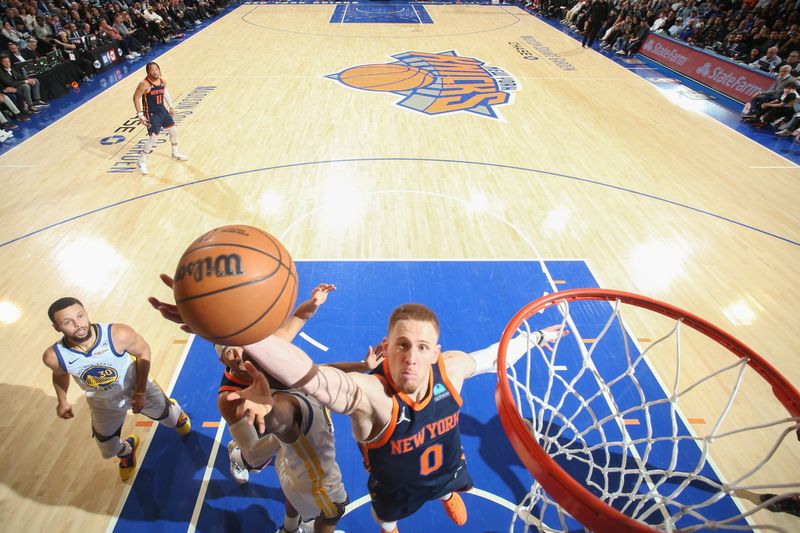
(387, 77)
(235, 285)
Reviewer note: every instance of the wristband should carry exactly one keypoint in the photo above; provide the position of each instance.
(138, 394)
(140, 115)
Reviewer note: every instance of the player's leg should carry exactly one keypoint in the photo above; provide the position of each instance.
(291, 520)
(165, 410)
(327, 524)
(147, 148)
(451, 500)
(106, 429)
(173, 138)
(385, 525)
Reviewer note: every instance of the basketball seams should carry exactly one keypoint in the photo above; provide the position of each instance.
(267, 311)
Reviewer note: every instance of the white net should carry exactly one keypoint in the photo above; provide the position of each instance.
(676, 442)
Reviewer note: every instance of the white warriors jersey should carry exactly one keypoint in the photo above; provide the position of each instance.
(310, 461)
(102, 370)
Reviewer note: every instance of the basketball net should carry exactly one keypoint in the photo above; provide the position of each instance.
(608, 456)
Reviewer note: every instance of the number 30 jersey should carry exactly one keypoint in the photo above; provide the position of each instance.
(100, 371)
(420, 449)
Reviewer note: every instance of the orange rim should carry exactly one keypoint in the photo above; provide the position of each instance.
(578, 501)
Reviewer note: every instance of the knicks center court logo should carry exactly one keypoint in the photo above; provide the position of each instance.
(99, 377)
(435, 83)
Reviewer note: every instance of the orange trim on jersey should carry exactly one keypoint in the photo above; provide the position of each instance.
(389, 429)
(403, 396)
(446, 380)
(364, 456)
(237, 380)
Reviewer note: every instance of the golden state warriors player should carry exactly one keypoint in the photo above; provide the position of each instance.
(111, 363)
(154, 109)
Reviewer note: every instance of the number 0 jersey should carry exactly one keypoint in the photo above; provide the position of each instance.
(420, 450)
(100, 371)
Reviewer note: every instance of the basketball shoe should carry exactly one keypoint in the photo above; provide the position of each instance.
(183, 426)
(142, 165)
(456, 509)
(127, 462)
(238, 469)
(179, 156)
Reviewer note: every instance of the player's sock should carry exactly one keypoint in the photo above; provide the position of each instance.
(386, 527)
(291, 523)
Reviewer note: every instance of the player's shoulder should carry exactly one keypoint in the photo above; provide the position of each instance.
(50, 359)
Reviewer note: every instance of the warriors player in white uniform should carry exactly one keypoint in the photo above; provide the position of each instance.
(111, 363)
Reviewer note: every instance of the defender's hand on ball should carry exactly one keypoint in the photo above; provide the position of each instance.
(258, 392)
(169, 311)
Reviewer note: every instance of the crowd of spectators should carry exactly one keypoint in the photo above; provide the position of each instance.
(63, 32)
(762, 34)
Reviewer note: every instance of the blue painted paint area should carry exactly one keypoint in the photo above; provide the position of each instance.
(383, 13)
(473, 299)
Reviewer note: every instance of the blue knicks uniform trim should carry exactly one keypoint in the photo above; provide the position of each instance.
(419, 457)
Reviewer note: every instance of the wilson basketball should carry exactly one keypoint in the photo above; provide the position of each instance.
(235, 285)
(387, 77)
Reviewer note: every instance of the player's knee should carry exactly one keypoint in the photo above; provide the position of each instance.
(109, 446)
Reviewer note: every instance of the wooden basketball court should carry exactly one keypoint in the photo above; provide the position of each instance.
(583, 159)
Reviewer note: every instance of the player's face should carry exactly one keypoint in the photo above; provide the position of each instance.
(74, 323)
(154, 72)
(232, 357)
(411, 350)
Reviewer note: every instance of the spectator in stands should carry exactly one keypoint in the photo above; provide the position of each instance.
(752, 109)
(639, 35)
(129, 45)
(661, 20)
(793, 60)
(769, 62)
(14, 54)
(25, 89)
(598, 13)
(780, 109)
(10, 33)
(125, 32)
(31, 51)
(11, 111)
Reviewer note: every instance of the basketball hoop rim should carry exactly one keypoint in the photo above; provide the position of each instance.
(571, 495)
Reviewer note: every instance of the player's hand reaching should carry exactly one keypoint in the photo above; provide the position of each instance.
(374, 357)
(169, 311)
(64, 410)
(256, 414)
(319, 296)
(550, 335)
(258, 392)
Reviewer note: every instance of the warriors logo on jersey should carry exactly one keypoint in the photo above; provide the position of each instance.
(99, 377)
(435, 83)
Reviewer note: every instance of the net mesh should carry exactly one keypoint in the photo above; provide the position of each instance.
(609, 409)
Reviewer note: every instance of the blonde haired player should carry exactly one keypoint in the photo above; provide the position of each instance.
(111, 363)
(417, 456)
(154, 109)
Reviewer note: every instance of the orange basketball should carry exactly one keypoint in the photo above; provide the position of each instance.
(383, 77)
(235, 285)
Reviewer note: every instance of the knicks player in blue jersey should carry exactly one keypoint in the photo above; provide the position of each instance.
(154, 110)
(111, 363)
(405, 414)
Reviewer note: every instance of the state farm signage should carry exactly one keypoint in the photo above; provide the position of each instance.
(731, 79)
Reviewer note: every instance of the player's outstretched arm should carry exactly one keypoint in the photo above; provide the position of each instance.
(337, 390)
(461, 366)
